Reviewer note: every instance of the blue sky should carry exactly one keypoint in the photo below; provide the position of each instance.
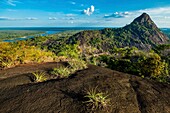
(81, 13)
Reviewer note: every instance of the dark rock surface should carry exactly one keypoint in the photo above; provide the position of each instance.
(127, 94)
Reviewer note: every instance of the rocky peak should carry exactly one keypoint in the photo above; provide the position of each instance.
(144, 18)
(146, 29)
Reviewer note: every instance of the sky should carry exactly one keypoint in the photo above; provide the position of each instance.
(81, 13)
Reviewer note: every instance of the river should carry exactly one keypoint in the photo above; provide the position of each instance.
(47, 31)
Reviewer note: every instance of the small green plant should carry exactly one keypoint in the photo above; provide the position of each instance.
(39, 76)
(96, 100)
(73, 66)
(61, 72)
(77, 64)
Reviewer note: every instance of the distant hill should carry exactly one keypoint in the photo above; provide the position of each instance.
(146, 30)
(141, 33)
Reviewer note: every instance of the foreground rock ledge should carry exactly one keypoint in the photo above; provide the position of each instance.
(127, 93)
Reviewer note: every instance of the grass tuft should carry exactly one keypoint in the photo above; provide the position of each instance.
(39, 76)
(96, 100)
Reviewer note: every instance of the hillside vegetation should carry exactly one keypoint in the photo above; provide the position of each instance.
(141, 33)
(139, 48)
(13, 54)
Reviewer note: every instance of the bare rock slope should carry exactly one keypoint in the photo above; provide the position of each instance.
(127, 94)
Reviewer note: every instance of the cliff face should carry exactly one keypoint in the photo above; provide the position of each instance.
(141, 33)
(126, 94)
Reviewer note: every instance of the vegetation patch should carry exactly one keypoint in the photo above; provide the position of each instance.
(73, 66)
(13, 54)
(96, 100)
(134, 61)
(61, 72)
(39, 76)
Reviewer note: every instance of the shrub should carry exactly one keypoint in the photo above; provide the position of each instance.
(69, 51)
(137, 62)
(6, 64)
(61, 72)
(19, 53)
(77, 64)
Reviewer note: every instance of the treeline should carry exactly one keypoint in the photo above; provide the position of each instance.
(12, 34)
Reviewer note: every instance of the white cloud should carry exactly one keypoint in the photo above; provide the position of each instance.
(4, 18)
(118, 15)
(155, 11)
(12, 2)
(11, 10)
(89, 11)
(31, 18)
(70, 15)
(159, 15)
(52, 18)
(167, 17)
(8, 18)
(73, 3)
(71, 22)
